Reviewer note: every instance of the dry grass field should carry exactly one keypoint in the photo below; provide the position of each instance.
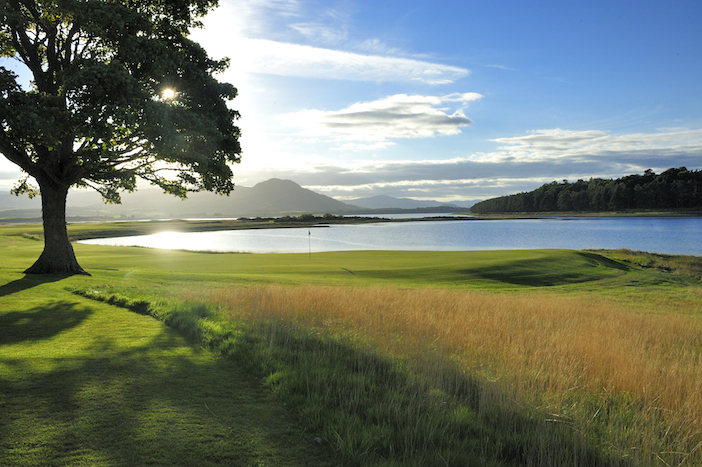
(628, 381)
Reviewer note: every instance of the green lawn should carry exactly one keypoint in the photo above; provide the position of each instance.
(486, 270)
(86, 383)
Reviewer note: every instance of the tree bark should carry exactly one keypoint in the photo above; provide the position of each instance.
(58, 256)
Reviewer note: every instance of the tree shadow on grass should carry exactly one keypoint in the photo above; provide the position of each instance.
(158, 402)
(375, 414)
(40, 322)
(29, 281)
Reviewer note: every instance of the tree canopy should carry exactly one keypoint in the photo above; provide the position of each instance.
(118, 93)
(674, 189)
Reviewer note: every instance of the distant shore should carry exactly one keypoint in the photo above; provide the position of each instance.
(84, 229)
(87, 230)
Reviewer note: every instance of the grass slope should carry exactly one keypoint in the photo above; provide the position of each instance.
(86, 383)
(471, 269)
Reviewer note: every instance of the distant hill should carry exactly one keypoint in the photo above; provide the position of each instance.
(270, 198)
(467, 204)
(273, 197)
(676, 189)
(384, 201)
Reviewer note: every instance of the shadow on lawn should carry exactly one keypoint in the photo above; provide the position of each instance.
(29, 281)
(40, 322)
(154, 403)
(362, 405)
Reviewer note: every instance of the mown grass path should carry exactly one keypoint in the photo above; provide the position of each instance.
(85, 383)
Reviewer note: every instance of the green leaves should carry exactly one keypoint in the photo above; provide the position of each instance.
(95, 116)
(24, 188)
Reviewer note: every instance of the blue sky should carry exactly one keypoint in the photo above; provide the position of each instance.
(458, 100)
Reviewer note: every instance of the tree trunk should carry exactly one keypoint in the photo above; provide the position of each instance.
(58, 256)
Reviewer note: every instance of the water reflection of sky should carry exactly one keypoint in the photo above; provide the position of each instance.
(661, 235)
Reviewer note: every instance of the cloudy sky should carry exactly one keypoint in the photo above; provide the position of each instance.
(457, 100)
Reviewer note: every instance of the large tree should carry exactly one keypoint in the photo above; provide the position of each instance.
(118, 92)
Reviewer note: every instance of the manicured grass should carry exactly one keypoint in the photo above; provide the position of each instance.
(86, 383)
(468, 269)
(539, 357)
(488, 270)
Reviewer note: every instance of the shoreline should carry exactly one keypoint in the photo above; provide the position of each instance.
(84, 230)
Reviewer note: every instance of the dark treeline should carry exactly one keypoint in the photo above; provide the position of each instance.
(674, 189)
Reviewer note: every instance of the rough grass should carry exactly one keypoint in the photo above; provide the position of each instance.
(617, 382)
(690, 266)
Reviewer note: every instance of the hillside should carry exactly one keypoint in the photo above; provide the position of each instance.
(676, 189)
(270, 198)
(384, 201)
(277, 196)
(273, 197)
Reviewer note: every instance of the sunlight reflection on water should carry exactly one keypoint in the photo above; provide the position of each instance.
(661, 235)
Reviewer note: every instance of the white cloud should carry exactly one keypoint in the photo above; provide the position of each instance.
(362, 147)
(320, 32)
(253, 18)
(328, 26)
(259, 36)
(304, 61)
(449, 179)
(567, 145)
(521, 163)
(501, 67)
(375, 46)
(394, 117)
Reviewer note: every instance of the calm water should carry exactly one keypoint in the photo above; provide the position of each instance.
(660, 235)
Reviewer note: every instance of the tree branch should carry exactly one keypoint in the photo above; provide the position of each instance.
(22, 160)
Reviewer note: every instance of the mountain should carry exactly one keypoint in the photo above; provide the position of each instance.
(275, 197)
(388, 202)
(270, 198)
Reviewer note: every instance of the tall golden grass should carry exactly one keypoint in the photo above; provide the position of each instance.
(582, 360)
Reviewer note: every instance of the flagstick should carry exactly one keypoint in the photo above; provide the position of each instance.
(309, 243)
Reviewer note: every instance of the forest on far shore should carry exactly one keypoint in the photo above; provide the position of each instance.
(674, 189)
